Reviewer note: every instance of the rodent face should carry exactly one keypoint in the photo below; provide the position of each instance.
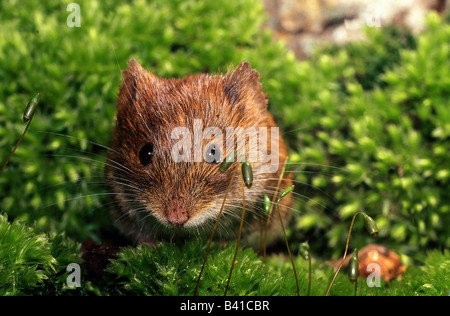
(155, 192)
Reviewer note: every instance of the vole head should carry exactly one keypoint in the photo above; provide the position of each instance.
(163, 165)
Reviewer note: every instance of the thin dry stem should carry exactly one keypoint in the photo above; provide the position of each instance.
(15, 147)
(270, 211)
(214, 229)
(345, 252)
(238, 240)
(289, 250)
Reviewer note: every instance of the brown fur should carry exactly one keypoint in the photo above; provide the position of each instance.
(168, 199)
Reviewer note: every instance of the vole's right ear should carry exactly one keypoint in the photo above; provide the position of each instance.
(135, 79)
(243, 87)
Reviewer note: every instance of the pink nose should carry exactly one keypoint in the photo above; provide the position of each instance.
(177, 213)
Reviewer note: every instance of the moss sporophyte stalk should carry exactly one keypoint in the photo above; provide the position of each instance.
(224, 166)
(283, 194)
(27, 117)
(247, 179)
(371, 228)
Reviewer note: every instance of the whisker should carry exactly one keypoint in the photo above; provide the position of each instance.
(307, 198)
(274, 204)
(83, 139)
(102, 181)
(105, 205)
(89, 195)
(316, 165)
(306, 184)
(311, 172)
(140, 209)
(131, 172)
(96, 161)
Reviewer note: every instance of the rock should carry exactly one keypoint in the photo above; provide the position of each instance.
(388, 261)
(305, 24)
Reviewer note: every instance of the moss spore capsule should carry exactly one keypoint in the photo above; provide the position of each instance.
(286, 191)
(227, 162)
(266, 204)
(304, 250)
(247, 173)
(353, 267)
(370, 224)
(31, 108)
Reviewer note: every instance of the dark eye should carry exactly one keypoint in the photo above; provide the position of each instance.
(146, 154)
(213, 154)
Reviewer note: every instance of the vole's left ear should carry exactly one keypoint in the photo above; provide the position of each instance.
(135, 79)
(136, 71)
(243, 85)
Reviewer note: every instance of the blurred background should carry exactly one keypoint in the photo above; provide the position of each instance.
(360, 89)
(304, 25)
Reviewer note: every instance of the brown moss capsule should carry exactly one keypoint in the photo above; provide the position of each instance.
(31, 108)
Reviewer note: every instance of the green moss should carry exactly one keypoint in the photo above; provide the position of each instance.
(29, 259)
(173, 270)
(25, 257)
